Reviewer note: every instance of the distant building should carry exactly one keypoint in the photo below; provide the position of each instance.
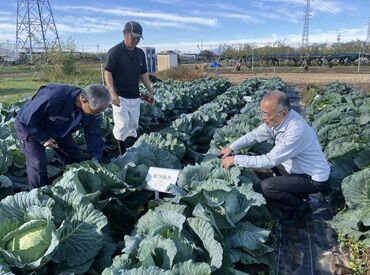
(167, 60)
(8, 54)
(150, 58)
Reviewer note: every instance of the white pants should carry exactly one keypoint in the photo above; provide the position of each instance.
(126, 118)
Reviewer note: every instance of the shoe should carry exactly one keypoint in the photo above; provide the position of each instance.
(129, 141)
(121, 147)
(297, 216)
(303, 210)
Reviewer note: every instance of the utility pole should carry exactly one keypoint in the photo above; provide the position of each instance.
(305, 40)
(36, 31)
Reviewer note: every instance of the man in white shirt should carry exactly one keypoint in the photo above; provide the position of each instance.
(296, 148)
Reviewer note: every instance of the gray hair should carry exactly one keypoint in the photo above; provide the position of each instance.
(97, 95)
(282, 99)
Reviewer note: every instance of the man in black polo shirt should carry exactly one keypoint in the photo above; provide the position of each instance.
(124, 67)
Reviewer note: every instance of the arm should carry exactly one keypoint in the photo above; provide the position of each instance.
(93, 137)
(145, 79)
(259, 134)
(291, 146)
(109, 82)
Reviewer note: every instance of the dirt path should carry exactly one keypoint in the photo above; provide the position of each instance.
(303, 79)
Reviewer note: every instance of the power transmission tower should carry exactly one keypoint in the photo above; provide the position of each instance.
(304, 43)
(338, 38)
(36, 31)
(368, 34)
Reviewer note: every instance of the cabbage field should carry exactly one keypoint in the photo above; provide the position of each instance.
(98, 219)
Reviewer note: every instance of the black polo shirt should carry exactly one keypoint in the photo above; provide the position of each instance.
(126, 67)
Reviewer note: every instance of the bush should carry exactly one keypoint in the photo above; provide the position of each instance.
(182, 73)
(58, 64)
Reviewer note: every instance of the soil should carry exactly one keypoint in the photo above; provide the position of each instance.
(302, 80)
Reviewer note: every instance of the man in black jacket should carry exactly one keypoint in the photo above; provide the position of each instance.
(50, 118)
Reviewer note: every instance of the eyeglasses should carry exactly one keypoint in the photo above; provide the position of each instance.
(269, 114)
(135, 36)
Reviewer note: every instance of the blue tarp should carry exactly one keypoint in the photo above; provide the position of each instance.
(215, 64)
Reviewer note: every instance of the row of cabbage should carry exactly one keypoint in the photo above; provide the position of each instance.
(341, 117)
(216, 219)
(185, 97)
(79, 238)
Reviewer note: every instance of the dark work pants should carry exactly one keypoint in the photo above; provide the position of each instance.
(36, 163)
(287, 191)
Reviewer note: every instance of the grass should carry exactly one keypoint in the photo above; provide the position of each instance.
(14, 89)
(17, 82)
(19, 69)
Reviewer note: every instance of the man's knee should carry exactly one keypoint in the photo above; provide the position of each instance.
(267, 186)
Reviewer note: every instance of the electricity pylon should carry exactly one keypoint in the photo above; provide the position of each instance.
(36, 31)
(304, 43)
(368, 34)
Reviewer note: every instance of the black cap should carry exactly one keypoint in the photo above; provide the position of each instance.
(134, 28)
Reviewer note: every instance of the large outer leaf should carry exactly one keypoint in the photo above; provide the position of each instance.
(207, 235)
(151, 270)
(156, 219)
(157, 251)
(356, 189)
(350, 222)
(5, 270)
(84, 181)
(189, 267)
(245, 235)
(355, 220)
(132, 243)
(81, 235)
(16, 207)
(121, 262)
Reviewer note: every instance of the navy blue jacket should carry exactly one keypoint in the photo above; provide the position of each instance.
(52, 113)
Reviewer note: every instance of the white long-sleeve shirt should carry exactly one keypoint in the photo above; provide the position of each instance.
(296, 148)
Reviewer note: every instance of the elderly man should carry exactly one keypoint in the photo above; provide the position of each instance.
(296, 148)
(50, 118)
(124, 68)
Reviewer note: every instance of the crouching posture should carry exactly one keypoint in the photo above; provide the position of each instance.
(50, 118)
(296, 148)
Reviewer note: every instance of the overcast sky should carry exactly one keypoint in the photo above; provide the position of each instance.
(189, 25)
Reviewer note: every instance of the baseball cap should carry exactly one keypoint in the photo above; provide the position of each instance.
(134, 28)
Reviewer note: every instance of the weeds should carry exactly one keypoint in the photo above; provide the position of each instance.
(182, 73)
(357, 253)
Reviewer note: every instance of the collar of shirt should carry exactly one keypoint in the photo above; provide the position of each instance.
(284, 124)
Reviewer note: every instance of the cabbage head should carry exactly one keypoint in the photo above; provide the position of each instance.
(28, 236)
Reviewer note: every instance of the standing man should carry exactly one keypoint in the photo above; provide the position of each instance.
(296, 148)
(124, 67)
(50, 118)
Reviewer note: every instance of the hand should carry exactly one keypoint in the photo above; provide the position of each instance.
(50, 143)
(227, 162)
(149, 99)
(227, 151)
(115, 99)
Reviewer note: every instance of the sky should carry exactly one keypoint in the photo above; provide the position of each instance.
(193, 25)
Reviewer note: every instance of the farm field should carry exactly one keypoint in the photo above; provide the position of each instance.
(194, 229)
(300, 80)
